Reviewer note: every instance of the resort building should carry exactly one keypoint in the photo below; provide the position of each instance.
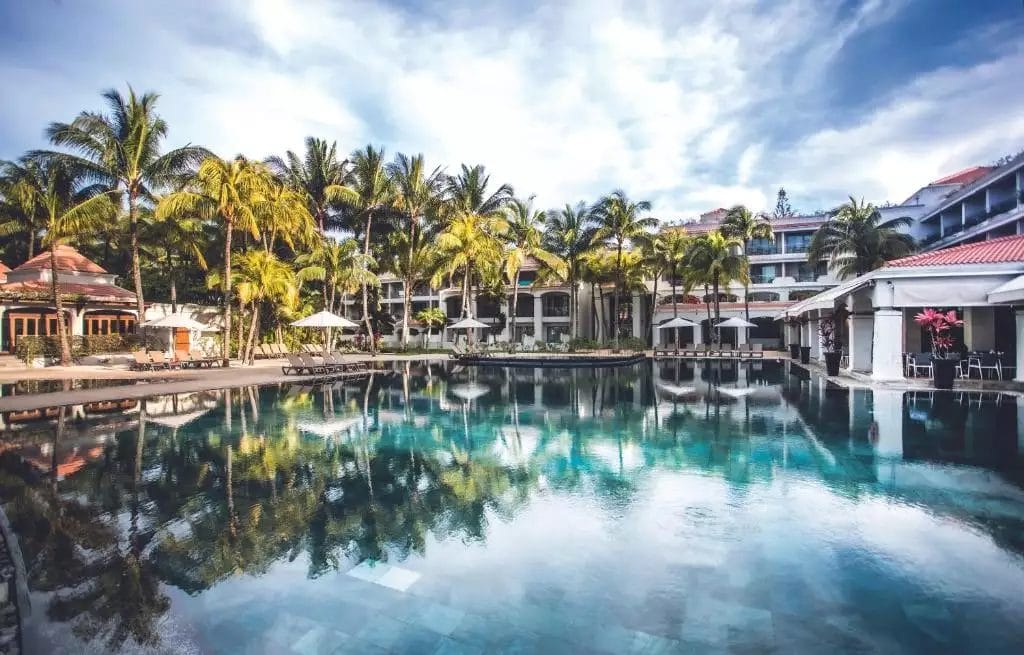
(983, 282)
(94, 304)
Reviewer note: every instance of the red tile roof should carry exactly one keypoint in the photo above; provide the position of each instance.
(68, 259)
(994, 251)
(3, 267)
(98, 292)
(966, 176)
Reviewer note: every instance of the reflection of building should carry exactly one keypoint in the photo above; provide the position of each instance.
(93, 303)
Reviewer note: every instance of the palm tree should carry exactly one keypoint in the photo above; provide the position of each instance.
(340, 266)
(524, 237)
(369, 195)
(262, 278)
(468, 193)
(412, 263)
(432, 317)
(855, 240)
(597, 269)
(668, 258)
(717, 256)
(228, 191)
(283, 214)
(745, 225)
(122, 149)
(618, 223)
(416, 193)
(570, 235)
(319, 176)
(70, 209)
(469, 245)
(19, 205)
(175, 241)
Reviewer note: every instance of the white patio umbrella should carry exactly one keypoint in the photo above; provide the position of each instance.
(325, 320)
(736, 322)
(675, 323)
(175, 321)
(468, 324)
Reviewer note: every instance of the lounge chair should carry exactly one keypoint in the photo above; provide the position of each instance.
(198, 359)
(295, 365)
(757, 351)
(279, 349)
(142, 361)
(744, 351)
(183, 358)
(315, 367)
(159, 361)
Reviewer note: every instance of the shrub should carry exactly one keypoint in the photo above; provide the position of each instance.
(633, 343)
(583, 343)
(28, 348)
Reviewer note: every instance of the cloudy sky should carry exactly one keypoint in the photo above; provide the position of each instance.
(691, 105)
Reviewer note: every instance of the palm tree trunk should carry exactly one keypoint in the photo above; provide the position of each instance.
(31, 241)
(618, 296)
(675, 306)
(250, 343)
(62, 333)
(654, 307)
(366, 302)
(707, 304)
(133, 228)
(514, 309)
(225, 349)
(406, 303)
(718, 315)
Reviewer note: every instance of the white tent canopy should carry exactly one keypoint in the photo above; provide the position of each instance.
(180, 321)
(467, 324)
(325, 319)
(1012, 291)
(736, 322)
(677, 322)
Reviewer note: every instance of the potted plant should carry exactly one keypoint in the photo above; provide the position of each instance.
(827, 336)
(937, 324)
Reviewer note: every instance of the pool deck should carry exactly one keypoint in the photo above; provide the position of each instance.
(854, 380)
(266, 371)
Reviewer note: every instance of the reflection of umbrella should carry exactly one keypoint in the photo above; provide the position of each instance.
(467, 324)
(470, 391)
(330, 427)
(176, 420)
(676, 390)
(737, 392)
(325, 319)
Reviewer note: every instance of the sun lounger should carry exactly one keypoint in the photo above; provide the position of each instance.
(279, 349)
(296, 366)
(142, 361)
(183, 358)
(159, 361)
(744, 351)
(311, 364)
(758, 351)
(688, 351)
(198, 359)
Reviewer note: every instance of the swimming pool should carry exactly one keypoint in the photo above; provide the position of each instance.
(664, 507)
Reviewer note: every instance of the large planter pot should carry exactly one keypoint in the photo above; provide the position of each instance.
(805, 354)
(832, 363)
(943, 372)
(794, 351)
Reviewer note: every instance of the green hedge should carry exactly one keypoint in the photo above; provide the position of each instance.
(29, 348)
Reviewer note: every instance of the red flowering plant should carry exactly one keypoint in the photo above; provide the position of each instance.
(938, 325)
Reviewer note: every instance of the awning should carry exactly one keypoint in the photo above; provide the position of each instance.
(1012, 291)
(826, 299)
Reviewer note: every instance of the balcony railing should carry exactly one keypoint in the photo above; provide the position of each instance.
(763, 250)
(762, 278)
(796, 247)
(807, 276)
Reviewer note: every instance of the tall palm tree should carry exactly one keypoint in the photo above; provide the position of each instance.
(70, 209)
(174, 241)
(667, 259)
(745, 225)
(263, 278)
(469, 193)
(318, 175)
(20, 211)
(122, 149)
(370, 196)
(413, 264)
(570, 235)
(524, 236)
(469, 245)
(228, 191)
(340, 266)
(717, 256)
(855, 240)
(619, 223)
(416, 192)
(283, 214)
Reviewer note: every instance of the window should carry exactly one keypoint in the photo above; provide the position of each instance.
(525, 330)
(762, 273)
(762, 247)
(764, 296)
(799, 242)
(556, 304)
(808, 272)
(553, 333)
(524, 305)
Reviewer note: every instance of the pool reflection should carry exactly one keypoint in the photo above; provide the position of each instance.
(117, 513)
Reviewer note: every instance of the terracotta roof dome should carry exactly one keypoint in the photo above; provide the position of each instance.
(68, 259)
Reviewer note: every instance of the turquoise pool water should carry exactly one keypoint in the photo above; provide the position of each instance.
(650, 509)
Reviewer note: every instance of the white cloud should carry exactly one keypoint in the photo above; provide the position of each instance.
(673, 102)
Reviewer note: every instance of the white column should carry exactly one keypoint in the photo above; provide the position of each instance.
(538, 318)
(637, 311)
(805, 334)
(1019, 373)
(887, 345)
(888, 423)
(815, 339)
(741, 335)
(861, 328)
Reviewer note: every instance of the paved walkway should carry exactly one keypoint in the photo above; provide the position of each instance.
(148, 383)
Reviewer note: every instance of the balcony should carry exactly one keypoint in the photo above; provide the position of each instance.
(792, 248)
(764, 250)
(807, 276)
(762, 278)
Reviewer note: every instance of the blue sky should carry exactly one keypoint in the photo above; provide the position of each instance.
(691, 105)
